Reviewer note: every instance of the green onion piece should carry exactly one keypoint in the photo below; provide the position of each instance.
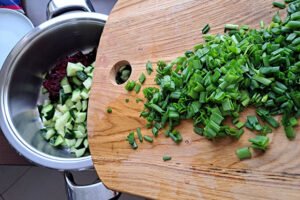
(149, 68)
(240, 125)
(293, 24)
(109, 110)
(279, 5)
(262, 80)
(243, 153)
(293, 121)
(156, 108)
(138, 100)
(130, 85)
(166, 158)
(155, 131)
(269, 70)
(289, 132)
(139, 133)
(231, 27)
(198, 130)
(289, 1)
(148, 138)
(265, 130)
(131, 140)
(206, 29)
(265, 116)
(137, 88)
(142, 78)
(260, 142)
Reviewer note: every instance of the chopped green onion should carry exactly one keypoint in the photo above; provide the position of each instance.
(206, 29)
(260, 142)
(138, 100)
(109, 110)
(198, 130)
(243, 153)
(139, 133)
(155, 131)
(131, 140)
(148, 138)
(231, 27)
(166, 158)
(149, 68)
(142, 78)
(130, 85)
(279, 5)
(137, 88)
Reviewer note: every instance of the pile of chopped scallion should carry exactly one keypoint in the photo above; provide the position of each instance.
(227, 73)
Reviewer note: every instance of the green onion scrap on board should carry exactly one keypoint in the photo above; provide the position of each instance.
(227, 73)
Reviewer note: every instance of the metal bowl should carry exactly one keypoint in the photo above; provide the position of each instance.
(21, 79)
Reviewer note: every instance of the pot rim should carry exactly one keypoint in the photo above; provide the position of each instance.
(9, 130)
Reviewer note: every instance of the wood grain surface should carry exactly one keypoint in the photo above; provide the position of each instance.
(142, 30)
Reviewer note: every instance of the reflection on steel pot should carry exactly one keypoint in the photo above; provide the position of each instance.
(21, 79)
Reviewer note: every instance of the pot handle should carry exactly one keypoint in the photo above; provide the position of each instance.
(96, 191)
(58, 7)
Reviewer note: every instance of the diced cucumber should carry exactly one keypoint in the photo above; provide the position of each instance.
(57, 114)
(72, 68)
(70, 142)
(85, 94)
(69, 125)
(76, 81)
(76, 95)
(64, 81)
(73, 112)
(48, 111)
(48, 133)
(81, 128)
(46, 102)
(69, 135)
(91, 74)
(79, 134)
(44, 90)
(79, 152)
(69, 103)
(88, 83)
(47, 123)
(81, 76)
(93, 64)
(62, 108)
(65, 120)
(59, 140)
(78, 142)
(85, 143)
(63, 97)
(78, 106)
(61, 122)
(88, 69)
(80, 117)
(67, 89)
(84, 105)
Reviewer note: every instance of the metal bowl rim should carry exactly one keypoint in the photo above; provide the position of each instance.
(11, 134)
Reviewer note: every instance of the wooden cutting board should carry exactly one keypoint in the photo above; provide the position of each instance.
(142, 30)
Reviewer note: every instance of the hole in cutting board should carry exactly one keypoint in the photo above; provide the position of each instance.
(121, 72)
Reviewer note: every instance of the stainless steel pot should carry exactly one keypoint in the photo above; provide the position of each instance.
(21, 79)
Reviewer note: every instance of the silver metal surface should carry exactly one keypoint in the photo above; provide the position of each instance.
(21, 79)
(58, 7)
(96, 191)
